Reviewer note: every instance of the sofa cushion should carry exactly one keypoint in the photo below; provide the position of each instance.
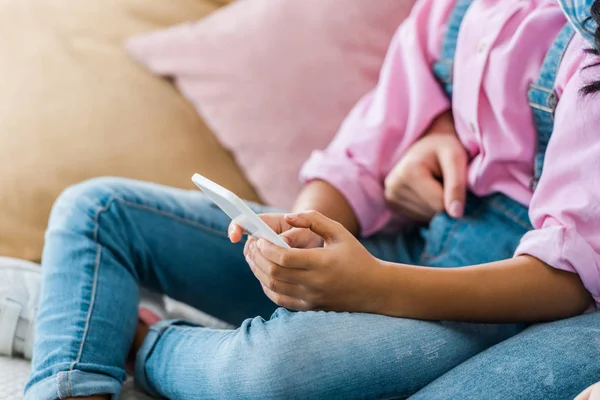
(73, 105)
(274, 79)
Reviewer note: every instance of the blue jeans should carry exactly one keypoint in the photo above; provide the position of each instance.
(107, 237)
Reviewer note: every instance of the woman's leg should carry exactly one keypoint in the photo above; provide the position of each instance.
(105, 238)
(551, 361)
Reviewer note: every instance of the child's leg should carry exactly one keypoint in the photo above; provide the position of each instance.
(105, 238)
(307, 355)
(550, 361)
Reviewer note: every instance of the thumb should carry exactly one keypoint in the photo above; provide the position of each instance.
(328, 229)
(454, 172)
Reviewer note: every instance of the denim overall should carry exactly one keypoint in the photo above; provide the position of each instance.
(492, 225)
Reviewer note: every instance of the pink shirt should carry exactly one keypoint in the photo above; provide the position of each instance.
(500, 50)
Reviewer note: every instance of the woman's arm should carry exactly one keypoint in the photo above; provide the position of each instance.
(519, 289)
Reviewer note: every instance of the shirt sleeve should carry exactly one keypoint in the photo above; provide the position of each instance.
(386, 121)
(565, 208)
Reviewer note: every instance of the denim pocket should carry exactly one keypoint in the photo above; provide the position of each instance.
(437, 237)
(489, 231)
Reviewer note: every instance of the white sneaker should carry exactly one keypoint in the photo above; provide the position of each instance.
(154, 303)
(20, 282)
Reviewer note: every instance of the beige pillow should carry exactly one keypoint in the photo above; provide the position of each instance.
(73, 105)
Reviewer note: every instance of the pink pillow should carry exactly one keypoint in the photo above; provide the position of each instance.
(274, 79)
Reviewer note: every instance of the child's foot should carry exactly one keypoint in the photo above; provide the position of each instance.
(19, 294)
(152, 307)
(151, 310)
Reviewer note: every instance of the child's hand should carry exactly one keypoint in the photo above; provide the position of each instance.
(339, 276)
(299, 238)
(413, 187)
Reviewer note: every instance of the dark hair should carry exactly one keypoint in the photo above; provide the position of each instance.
(594, 87)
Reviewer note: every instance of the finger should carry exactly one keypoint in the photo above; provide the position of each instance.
(270, 270)
(417, 213)
(415, 191)
(299, 238)
(248, 246)
(235, 232)
(410, 204)
(430, 192)
(275, 285)
(328, 229)
(454, 171)
(275, 222)
(289, 258)
(286, 301)
(295, 237)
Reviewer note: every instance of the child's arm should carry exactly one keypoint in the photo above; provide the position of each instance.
(344, 276)
(556, 271)
(323, 197)
(519, 289)
(382, 125)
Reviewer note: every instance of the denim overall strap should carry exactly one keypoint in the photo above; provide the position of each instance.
(579, 14)
(444, 66)
(543, 98)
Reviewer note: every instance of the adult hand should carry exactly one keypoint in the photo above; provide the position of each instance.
(339, 276)
(591, 393)
(413, 186)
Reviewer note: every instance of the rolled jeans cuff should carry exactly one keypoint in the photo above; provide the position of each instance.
(74, 384)
(144, 353)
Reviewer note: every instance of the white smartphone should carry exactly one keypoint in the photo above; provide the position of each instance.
(238, 211)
